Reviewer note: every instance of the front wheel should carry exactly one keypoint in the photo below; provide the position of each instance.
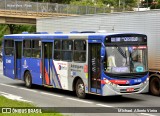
(80, 89)
(28, 79)
(155, 86)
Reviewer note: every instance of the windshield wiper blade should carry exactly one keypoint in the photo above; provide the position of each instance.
(121, 52)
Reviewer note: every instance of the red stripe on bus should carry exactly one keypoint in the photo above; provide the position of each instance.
(103, 82)
(46, 77)
(118, 81)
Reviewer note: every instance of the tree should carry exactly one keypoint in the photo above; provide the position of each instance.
(109, 3)
(98, 3)
(155, 4)
(11, 28)
(21, 28)
(52, 1)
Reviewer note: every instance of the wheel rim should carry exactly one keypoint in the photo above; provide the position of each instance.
(81, 89)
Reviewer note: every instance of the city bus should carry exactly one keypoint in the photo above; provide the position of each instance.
(104, 64)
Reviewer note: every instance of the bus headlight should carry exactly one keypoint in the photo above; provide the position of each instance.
(146, 80)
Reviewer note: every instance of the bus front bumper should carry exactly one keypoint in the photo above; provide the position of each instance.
(113, 89)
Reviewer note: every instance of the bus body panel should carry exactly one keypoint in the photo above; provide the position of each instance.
(68, 71)
(9, 66)
(18, 68)
(54, 77)
(62, 74)
(78, 70)
(34, 67)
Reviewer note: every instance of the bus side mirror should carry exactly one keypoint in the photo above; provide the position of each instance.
(102, 53)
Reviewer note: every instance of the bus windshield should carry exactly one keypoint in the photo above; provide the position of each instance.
(120, 59)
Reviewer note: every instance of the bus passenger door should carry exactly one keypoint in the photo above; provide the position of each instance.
(46, 62)
(18, 57)
(94, 67)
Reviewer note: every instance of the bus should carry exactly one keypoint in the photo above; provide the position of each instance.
(104, 64)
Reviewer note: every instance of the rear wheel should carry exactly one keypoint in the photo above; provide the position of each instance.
(28, 79)
(155, 86)
(80, 89)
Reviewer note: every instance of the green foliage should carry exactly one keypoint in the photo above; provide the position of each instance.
(108, 3)
(52, 1)
(97, 3)
(4, 102)
(14, 29)
(155, 4)
(21, 28)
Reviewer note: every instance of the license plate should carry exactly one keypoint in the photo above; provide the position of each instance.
(130, 89)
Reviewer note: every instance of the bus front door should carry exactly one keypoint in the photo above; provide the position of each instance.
(94, 67)
(47, 59)
(18, 57)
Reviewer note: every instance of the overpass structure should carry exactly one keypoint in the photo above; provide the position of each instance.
(26, 12)
(22, 17)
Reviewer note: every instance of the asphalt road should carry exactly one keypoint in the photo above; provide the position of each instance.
(49, 97)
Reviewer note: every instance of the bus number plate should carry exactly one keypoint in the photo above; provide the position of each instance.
(130, 89)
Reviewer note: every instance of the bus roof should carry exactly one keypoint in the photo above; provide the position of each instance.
(62, 35)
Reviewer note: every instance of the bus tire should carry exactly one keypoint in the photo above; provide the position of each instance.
(80, 89)
(28, 79)
(154, 86)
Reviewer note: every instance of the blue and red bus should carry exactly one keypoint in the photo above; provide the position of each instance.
(96, 63)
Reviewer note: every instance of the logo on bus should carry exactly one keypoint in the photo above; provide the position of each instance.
(8, 61)
(60, 67)
(25, 64)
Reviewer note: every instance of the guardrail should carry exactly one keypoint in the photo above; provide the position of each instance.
(27, 6)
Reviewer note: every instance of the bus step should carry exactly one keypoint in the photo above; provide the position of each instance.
(48, 86)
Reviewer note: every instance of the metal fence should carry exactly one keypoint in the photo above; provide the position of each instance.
(53, 7)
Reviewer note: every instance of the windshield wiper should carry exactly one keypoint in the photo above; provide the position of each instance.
(121, 52)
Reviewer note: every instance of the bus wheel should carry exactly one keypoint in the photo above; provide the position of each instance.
(80, 89)
(28, 79)
(155, 86)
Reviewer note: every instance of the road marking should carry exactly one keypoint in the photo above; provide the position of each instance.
(13, 97)
(8, 85)
(104, 105)
(50, 94)
(28, 89)
(147, 114)
(79, 100)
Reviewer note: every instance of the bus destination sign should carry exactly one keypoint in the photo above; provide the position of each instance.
(125, 39)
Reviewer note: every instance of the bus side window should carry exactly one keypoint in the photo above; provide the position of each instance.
(67, 46)
(27, 50)
(57, 49)
(36, 48)
(9, 47)
(80, 50)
